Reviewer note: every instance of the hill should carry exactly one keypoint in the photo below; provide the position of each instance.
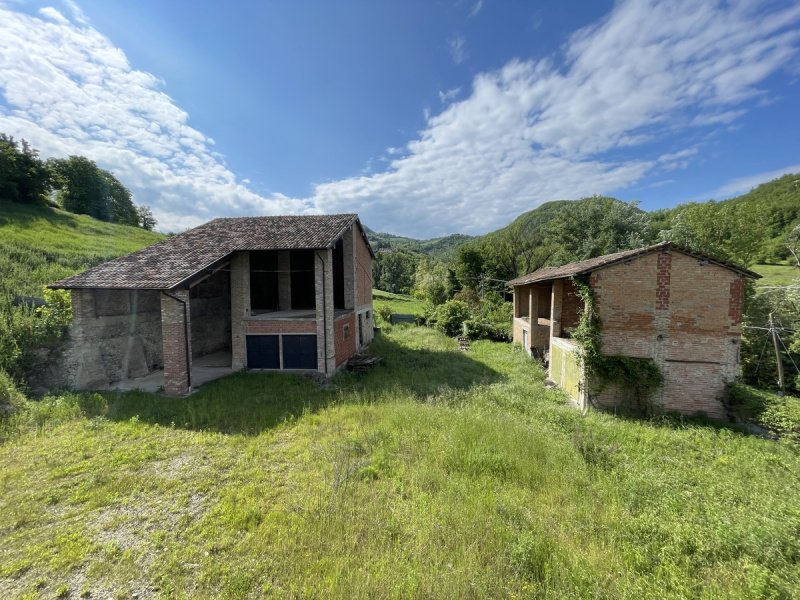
(441, 247)
(39, 245)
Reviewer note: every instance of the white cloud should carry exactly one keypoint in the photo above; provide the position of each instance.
(743, 185)
(529, 132)
(449, 95)
(476, 8)
(69, 90)
(458, 49)
(535, 131)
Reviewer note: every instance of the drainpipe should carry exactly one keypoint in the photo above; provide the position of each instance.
(324, 314)
(185, 337)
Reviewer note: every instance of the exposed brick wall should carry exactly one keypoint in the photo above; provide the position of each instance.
(174, 324)
(280, 326)
(682, 313)
(736, 301)
(363, 273)
(662, 280)
(345, 332)
(571, 306)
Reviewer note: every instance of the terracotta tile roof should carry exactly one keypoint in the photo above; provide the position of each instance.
(583, 267)
(170, 262)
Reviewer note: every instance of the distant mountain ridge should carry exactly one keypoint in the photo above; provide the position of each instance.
(777, 200)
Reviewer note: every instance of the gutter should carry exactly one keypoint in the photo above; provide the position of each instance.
(186, 334)
(324, 314)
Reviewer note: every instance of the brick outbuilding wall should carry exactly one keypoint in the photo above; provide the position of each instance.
(345, 332)
(685, 314)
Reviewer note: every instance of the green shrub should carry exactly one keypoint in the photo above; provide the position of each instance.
(11, 399)
(450, 316)
(384, 312)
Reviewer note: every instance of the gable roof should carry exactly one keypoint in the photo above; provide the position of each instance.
(169, 263)
(583, 267)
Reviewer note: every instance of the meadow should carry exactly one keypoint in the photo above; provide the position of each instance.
(439, 474)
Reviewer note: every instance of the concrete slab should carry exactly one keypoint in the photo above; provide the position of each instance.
(204, 369)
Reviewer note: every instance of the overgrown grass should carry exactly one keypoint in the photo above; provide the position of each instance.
(438, 475)
(40, 245)
(399, 303)
(777, 274)
(779, 414)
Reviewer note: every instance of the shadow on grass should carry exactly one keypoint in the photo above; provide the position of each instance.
(248, 403)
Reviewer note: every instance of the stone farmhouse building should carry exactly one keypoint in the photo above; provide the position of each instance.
(290, 293)
(679, 308)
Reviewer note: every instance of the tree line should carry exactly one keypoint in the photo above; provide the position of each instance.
(75, 184)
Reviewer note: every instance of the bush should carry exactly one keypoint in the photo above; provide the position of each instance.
(450, 316)
(11, 399)
(384, 311)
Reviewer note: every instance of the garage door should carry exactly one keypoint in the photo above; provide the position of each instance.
(299, 352)
(263, 352)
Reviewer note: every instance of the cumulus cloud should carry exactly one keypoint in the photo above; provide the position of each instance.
(582, 122)
(743, 185)
(564, 127)
(449, 95)
(69, 90)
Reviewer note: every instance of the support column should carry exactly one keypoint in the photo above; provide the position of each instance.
(284, 280)
(350, 264)
(517, 299)
(556, 299)
(175, 331)
(240, 308)
(533, 306)
(323, 287)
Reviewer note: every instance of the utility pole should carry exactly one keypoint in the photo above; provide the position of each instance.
(774, 333)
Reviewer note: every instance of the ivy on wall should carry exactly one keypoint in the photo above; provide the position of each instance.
(638, 376)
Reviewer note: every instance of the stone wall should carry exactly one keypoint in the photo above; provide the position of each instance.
(682, 312)
(114, 335)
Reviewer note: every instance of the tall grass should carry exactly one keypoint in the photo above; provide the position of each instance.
(441, 474)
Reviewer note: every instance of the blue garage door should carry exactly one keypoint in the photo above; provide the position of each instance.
(299, 352)
(262, 352)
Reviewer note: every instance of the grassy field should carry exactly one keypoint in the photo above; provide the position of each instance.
(777, 274)
(437, 475)
(397, 302)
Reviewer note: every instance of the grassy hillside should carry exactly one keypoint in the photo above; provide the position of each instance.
(441, 474)
(39, 245)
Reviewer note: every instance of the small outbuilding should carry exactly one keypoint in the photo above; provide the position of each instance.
(680, 309)
(289, 293)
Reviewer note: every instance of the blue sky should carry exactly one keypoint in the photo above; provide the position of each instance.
(426, 118)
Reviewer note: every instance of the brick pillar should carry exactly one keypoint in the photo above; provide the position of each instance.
(350, 265)
(323, 287)
(175, 331)
(556, 299)
(240, 308)
(533, 306)
(661, 319)
(284, 280)
(83, 311)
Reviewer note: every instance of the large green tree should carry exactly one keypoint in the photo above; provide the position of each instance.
(725, 230)
(596, 226)
(23, 175)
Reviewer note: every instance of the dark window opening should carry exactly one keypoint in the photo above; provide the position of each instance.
(263, 281)
(302, 265)
(299, 352)
(338, 275)
(263, 352)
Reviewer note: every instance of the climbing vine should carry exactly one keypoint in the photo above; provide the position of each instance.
(639, 376)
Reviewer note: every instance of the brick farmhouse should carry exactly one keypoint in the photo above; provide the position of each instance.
(284, 293)
(679, 308)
